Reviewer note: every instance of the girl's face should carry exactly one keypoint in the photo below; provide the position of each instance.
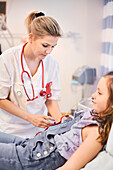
(100, 97)
(42, 46)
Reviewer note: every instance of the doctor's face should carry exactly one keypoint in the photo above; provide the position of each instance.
(101, 96)
(43, 46)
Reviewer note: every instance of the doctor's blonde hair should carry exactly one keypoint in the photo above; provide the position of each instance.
(42, 25)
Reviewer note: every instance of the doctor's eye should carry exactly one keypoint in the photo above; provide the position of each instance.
(44, 45)
(53, 46)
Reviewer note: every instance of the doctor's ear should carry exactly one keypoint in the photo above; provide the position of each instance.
(30, 37)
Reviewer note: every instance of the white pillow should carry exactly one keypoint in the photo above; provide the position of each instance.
(103, 161)
(109, 146)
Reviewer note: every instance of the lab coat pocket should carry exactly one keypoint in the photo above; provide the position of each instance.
(37, 105)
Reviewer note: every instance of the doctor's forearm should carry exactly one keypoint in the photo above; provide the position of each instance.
(36, 120)
(53, 109)
(12, 108)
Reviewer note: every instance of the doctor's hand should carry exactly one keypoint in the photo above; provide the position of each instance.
(41, 121)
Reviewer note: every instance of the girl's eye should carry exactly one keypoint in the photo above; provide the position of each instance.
(99, 93)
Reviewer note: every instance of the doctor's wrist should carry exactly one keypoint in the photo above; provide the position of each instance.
(28, 117)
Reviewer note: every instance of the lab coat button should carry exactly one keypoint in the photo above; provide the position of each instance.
(45, 152)
(38, 154)
(19, 93)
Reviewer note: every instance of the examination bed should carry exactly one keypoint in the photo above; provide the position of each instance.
(104, 160)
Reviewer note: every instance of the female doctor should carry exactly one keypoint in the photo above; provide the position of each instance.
(29, 80)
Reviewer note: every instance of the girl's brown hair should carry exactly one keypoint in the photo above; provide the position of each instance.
(42, 25)
(106, 119)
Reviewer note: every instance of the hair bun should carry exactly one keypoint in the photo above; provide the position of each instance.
(39, 14)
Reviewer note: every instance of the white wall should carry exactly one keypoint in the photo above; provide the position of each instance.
(81, 22)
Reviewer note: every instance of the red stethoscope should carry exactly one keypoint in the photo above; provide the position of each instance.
(62, 119)
(46, 94)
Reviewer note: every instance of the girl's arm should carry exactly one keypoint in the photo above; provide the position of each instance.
(53, 109)
(85, 153)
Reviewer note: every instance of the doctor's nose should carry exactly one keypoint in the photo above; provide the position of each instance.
(49, 50)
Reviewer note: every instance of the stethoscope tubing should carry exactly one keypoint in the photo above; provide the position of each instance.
(24, 71)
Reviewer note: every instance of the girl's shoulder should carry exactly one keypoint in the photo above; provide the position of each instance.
(82, 114)
(85, 119)
(90, 130)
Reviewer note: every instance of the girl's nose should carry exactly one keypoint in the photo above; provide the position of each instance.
(93, 96)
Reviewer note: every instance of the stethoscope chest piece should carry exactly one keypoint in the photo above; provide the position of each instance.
(46, 94)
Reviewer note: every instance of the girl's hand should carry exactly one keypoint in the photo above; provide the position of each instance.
(41, 121)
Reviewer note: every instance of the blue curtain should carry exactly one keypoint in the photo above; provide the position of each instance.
(107, 38)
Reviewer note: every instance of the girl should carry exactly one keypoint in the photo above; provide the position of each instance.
(69, 145)
(29, 79)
